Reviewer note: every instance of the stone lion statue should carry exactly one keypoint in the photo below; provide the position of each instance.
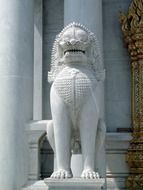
(76, 71)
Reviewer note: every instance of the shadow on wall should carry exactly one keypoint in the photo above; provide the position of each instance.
(53, 22)
(46, 158)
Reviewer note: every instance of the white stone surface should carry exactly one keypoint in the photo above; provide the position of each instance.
(117, 168)
(75, 184)
(38, 185)
(38, 59)
(67, 184)
(35, 131)
(16, 92)
(76, 72)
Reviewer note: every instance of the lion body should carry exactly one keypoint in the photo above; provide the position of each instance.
(74, 106)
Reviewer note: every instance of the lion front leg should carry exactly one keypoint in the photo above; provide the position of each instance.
(89, 117)
(62, 134)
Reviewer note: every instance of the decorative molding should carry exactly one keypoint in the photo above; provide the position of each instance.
(132, 28)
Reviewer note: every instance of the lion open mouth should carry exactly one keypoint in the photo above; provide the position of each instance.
(74, 51)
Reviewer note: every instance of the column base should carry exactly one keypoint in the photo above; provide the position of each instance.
(68, 184)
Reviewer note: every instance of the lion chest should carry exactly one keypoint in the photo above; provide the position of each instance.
(74, 85)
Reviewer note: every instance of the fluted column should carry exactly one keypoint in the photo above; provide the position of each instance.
(16, 89)
(88, 13)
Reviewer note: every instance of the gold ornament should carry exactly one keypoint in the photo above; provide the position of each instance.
(132, 28)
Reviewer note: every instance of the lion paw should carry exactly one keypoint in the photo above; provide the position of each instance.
(90, 174)
(62, 174)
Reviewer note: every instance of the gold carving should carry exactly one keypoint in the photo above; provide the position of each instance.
(132, 28)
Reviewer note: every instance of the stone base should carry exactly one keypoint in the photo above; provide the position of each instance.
(75, 184)
(38, 185)
(68, 184)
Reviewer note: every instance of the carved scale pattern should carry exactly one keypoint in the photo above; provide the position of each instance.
(132, 27)
(74, 87)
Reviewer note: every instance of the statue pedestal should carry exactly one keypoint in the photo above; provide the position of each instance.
(75, 184)
(68, 184)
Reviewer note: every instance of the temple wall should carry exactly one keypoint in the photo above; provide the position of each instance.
(116, 60)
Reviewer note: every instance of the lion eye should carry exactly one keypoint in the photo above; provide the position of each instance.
(82, 36)
(67, 42)
(66, 37)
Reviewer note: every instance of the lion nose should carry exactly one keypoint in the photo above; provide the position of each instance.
(73, 41)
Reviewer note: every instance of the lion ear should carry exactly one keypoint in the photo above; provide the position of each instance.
(94, 51)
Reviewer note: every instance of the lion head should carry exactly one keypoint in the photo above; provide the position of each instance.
(75, 45)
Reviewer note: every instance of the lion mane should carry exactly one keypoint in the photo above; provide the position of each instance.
(95, 61)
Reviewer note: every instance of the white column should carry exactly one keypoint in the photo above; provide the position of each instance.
(16, 89)
(38, 59)
(88, 13)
